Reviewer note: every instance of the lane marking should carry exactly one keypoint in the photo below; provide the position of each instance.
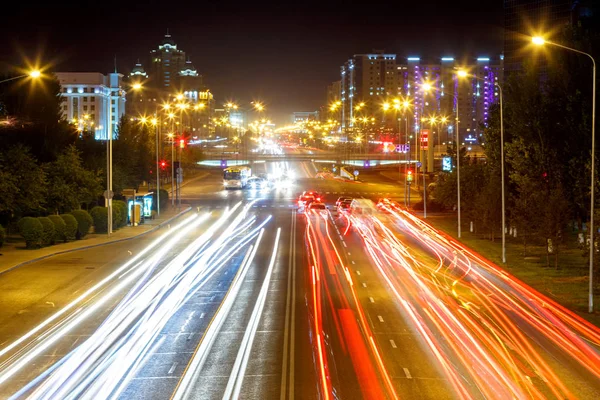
(407, 373)
(380, 318)
(364, 284)
(357, 272)
(172, 368)
(393, 344)
(353, 262)
(201, 315)
(349, 254)
(372, 300)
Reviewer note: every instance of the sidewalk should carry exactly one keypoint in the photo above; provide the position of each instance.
(13, 254)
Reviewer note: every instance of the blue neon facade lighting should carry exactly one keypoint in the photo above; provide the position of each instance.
(483, 59)
(413, 58)
(447, 58)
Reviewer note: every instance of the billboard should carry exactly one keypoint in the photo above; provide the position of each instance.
(424, 139)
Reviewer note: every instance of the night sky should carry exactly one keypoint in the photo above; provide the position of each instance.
(284, 55)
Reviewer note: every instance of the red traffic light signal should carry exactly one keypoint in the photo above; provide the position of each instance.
(181, 143)
(163, 165)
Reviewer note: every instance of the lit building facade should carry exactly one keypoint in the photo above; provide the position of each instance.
(474, 95)
(368, 79)
(304, 116)
(93, 101)
(167, 62)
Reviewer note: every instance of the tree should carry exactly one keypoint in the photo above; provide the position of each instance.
(69, 184)
(23, 186)
(133, 155)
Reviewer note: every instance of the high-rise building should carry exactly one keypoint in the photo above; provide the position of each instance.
(92, 101)
(304, 116)
(167, 62)
(526, 18)
(366, 79)
(334, 92)
(473, 95)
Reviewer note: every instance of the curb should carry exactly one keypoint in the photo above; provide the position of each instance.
(96, 245)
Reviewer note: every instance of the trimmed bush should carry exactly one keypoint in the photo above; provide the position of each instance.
(164, 200)
(84, 222)
(100, 217)
(48, 234)
(117, 217)
(32, 231)
(70, 226)
(122, 207)
(59, 228)
(2, 235)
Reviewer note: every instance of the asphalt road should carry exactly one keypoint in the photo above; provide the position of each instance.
(308, 315)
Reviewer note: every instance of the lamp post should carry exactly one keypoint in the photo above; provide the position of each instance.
(34, 74)
(541, 41)
(425, 87)
(154, 121)
(462, 74)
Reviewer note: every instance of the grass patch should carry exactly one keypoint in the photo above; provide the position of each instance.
(567, 285)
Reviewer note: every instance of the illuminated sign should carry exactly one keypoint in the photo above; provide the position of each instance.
(424, 139)
(403, 148)
(446, 163)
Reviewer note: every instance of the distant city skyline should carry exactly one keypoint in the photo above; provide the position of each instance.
(250, 52)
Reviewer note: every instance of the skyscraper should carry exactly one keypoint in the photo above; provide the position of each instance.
(167, 61)
(368, 79)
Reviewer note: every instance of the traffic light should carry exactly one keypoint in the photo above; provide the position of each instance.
(163, 165)
(181, 143)
(409, 175)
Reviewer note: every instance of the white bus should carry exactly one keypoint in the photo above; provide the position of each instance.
(236, 177)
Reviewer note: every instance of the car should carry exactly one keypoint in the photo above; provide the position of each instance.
(341, 200)
(344, 206)
(316, 195)
(257, 183)
(317, 206)
(305, 200)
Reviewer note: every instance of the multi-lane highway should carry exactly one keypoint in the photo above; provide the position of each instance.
(247, 297)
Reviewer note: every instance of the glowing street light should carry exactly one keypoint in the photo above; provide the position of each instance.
(33, 74)
(136, 86)
(540, 41)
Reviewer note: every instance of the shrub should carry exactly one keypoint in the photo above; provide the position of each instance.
(100, 217)
(164, 200)
(32, 231)
(2, 235)
(48, 234)
(117, 216)
(70, 226)
(59, 228)
(84, 222)
(122, 207)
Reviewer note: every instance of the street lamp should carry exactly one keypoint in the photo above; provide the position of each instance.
(34, 74)
(462, 74)
(425, 87)
(539, 41)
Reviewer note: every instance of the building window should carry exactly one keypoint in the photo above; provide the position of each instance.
(93, 116)
(84, 108)
(92, 99)
(112, 102)
(75, 107)
(85, 98)
(93, 107)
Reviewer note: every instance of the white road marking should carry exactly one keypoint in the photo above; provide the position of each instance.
(364, 284)
(202, 315)
(380, 318)
(393, 344)
(349, 254)
(353, 262)
(357, 272)
(372, 300)
(407, 373)
(172, 368)
(344, 243)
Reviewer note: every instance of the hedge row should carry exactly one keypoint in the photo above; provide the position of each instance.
(43, 231)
